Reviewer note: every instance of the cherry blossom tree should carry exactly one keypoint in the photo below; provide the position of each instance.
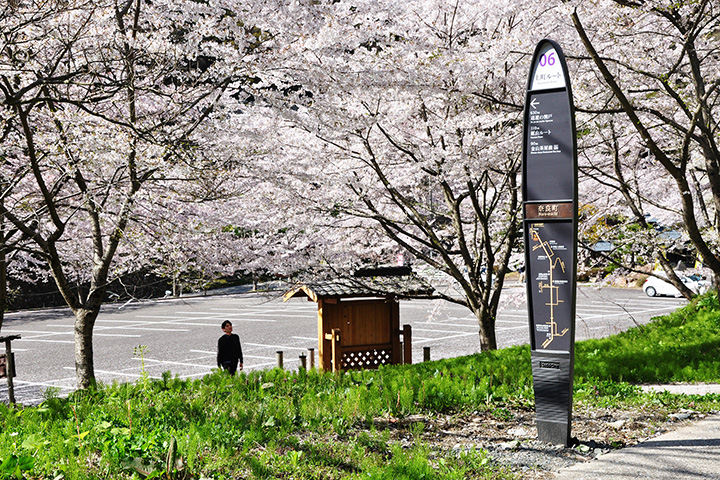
(101, 100)
(653, 70)
(410, 118)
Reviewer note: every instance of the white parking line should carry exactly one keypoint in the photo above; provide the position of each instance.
(472, 324)
(38, 332)
(506, 329)
(186, 323)
(213, 354)
(260, 365)
(168, 362)
(279, 347)
(225, 314)
(46, 384)
(146, 329)
(603, 310)
(444, 338)
(199, 374)
(132, 326)
(666, 306)
(416, 329)
(265, 311)
(125, 321)
(123, 335)
(54, 334)
(123, 374)
(178, 318)
(624, 313)
(273, 315)
(33, 339)
(525, 321)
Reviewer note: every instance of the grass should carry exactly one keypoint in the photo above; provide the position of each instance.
(303, 425)
(681, 347)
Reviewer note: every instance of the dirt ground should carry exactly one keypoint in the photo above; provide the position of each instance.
(510, 435)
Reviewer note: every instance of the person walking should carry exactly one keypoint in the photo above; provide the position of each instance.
(229, 352)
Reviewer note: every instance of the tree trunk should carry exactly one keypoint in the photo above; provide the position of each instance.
(84, 363)
(175, 292)
(486, 321)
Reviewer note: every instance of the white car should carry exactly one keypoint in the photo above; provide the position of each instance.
(655, 286)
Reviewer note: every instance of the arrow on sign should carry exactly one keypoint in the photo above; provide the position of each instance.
(534, 103)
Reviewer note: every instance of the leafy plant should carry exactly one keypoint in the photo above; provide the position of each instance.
(15, 467)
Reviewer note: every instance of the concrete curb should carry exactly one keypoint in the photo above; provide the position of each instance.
(684, 389)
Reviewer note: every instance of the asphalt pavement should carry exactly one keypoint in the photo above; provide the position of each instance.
(180, 335)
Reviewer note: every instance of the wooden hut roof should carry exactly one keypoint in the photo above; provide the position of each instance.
(363, 286)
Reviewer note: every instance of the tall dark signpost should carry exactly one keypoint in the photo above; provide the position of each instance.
(550, 230)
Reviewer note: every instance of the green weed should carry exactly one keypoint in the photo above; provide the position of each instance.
(15, 467)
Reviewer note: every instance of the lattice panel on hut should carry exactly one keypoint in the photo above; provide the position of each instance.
(365, 359)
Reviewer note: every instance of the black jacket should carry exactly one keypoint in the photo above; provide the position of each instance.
(229, 349)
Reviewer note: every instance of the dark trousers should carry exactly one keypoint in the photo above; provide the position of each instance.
(231, 367)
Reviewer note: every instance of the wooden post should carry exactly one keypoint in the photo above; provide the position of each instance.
(10, 366)
(279, 356)
(407, 344)
(336, 354)
(321, 336)
(303, 361)
(395, 332)
(311, 351)
(426, 354)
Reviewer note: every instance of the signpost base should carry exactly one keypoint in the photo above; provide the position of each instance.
(552, 380)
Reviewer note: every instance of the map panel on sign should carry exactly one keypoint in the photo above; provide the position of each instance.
(550, 275)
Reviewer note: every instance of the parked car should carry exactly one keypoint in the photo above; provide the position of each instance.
(655, 286)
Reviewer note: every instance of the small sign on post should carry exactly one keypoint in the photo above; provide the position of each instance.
(550, 233)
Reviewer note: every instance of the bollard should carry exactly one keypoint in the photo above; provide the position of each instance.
(426, 354)
(407, 344)
(303, 361)
(312, 357)
(279, 356)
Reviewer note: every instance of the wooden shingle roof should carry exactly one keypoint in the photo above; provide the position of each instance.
(377, 286)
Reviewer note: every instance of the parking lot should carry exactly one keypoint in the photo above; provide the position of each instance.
(180, 335)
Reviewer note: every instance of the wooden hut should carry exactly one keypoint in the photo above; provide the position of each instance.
(359, 317)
